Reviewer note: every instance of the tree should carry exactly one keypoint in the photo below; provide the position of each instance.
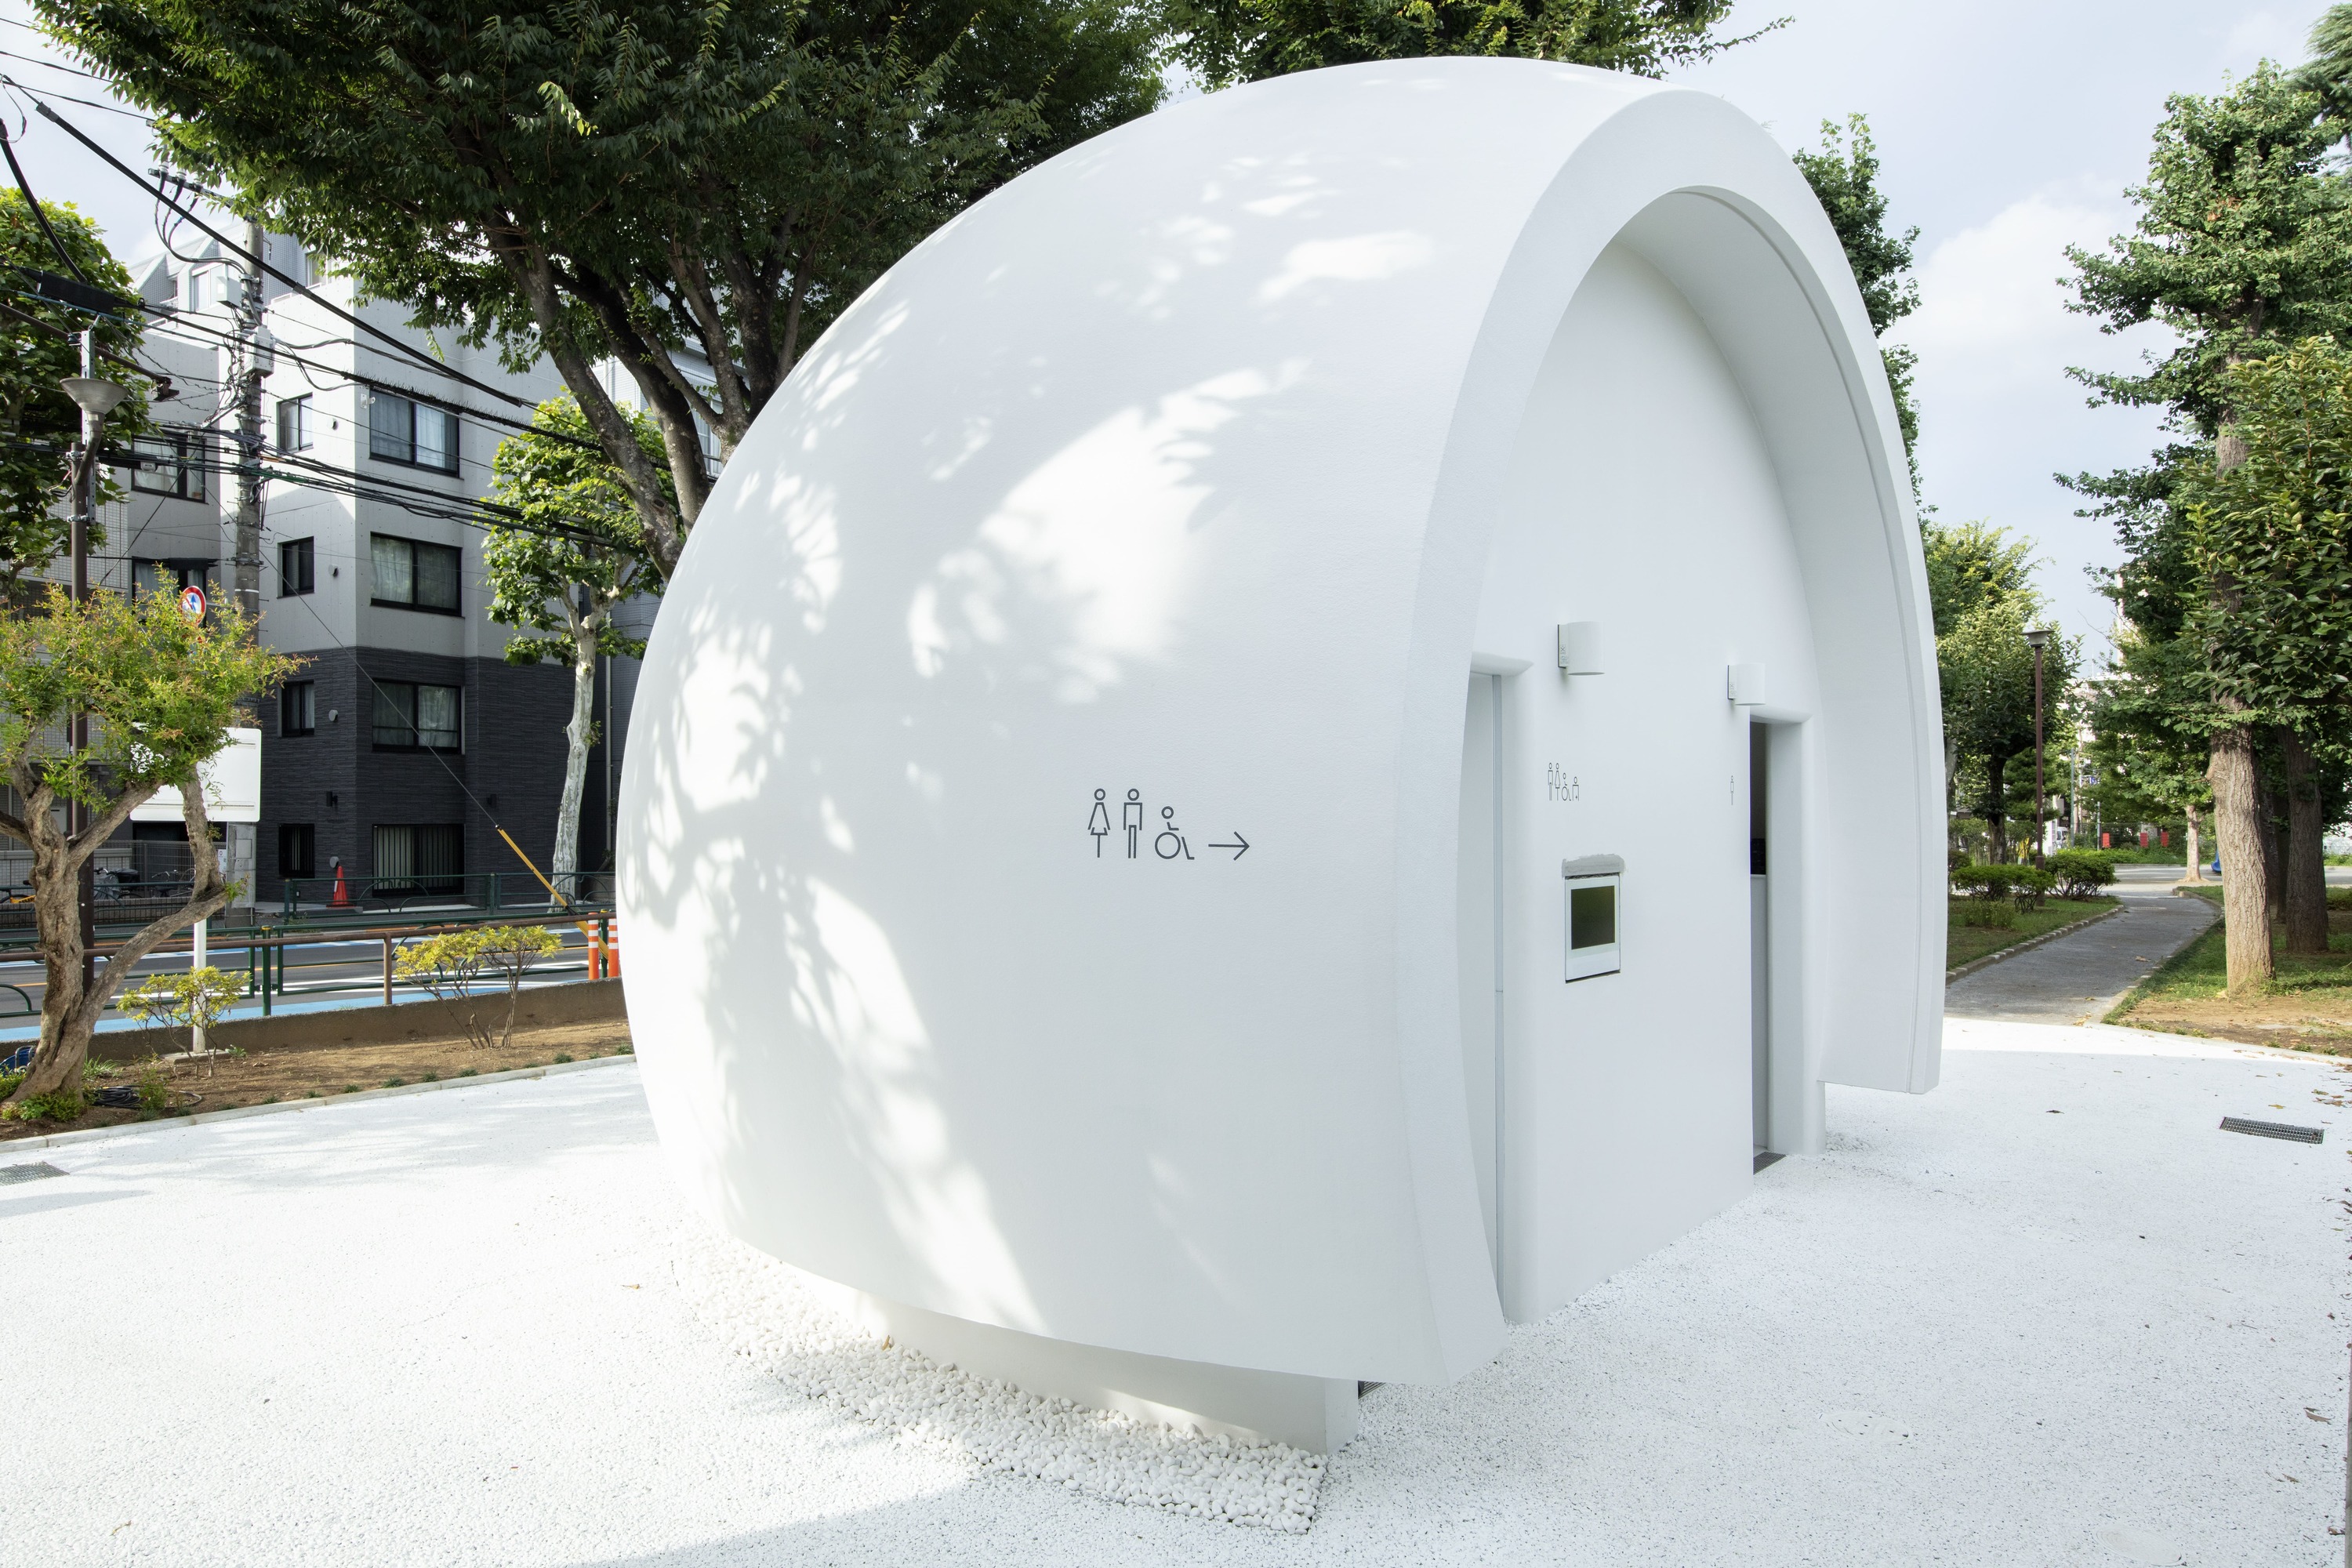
(1985, 669)
(1970, 564)
(1843, 173)
(1223, 42)
(2243, 245)
(38, 348)
(2147, 751)
(1980, 588)
(692, 190)
(2270, 538)
(579, 553)
(161, 690)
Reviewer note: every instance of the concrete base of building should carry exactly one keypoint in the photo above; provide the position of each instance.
(1315, 1414)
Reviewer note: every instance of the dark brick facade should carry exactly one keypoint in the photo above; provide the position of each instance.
(513, 762)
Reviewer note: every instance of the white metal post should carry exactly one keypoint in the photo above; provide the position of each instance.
(198, 958)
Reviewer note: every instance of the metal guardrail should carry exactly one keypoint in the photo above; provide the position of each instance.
(349, 892)
(271, 975)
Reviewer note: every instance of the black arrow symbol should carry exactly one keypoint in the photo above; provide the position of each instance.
(1239, 849)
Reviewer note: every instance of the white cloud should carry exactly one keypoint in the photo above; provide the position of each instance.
(1992, 315)
(1999, 416)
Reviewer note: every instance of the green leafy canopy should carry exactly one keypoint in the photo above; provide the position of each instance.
(693, 189)
(577, 549)
(38, 350)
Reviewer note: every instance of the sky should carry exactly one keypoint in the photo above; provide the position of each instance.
(2007, 129)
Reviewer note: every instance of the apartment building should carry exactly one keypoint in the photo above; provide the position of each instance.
(406, 740)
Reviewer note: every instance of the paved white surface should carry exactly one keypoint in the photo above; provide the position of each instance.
(451, 1329)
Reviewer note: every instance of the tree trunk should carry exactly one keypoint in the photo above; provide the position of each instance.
(2306, 852)
(2196, 849)
(69, 1013)
(2238, 828)
(1995, 804)
(2274, 849)
(565, 871)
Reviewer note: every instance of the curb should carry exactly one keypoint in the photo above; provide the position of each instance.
(236, 1113)
(2030, 944)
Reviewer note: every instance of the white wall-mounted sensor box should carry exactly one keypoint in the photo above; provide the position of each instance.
(1744, 684)
(1579, 648)
(1590, 915)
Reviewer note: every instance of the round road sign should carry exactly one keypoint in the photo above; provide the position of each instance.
(192, 602)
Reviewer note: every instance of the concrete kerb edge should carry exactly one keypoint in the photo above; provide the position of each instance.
(232, 1113)
(1990, 959)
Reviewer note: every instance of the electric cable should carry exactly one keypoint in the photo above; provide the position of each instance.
(259, 263)
(26, 191)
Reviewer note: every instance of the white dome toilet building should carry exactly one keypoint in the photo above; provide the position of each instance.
(1313, 728)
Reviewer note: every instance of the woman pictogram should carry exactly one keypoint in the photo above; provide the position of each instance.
(1168, 836)
(1099, 822)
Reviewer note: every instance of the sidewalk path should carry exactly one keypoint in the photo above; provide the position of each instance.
(2077, 978)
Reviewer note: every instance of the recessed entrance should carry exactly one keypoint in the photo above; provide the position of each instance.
(1759, 939)
(1478, 922)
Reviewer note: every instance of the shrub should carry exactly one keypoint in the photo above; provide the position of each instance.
(1991, 881)
(192, 999)
(1995, 914)
(2081, 873)
(452, 964)
(2028, 884)
(154, 1090)
(63, 1106)
(8, 1082)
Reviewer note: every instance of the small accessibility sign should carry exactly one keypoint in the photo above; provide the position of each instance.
(1129, 820)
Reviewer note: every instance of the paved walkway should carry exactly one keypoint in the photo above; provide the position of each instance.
(2077, 978)
(449, 1331)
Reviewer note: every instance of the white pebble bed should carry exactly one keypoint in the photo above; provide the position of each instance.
(760, 1310)
(458, 1329)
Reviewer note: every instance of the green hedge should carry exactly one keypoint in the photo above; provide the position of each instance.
(2081, 873)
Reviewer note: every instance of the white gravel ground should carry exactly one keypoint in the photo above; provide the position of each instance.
(475, 1327)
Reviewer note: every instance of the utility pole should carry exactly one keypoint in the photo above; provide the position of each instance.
(2037, 638)
(96, 397)
(248, 367)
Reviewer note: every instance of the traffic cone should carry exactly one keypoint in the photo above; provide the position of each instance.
(342, 899)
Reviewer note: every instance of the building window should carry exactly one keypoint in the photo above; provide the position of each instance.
(294, 424)
(168, 465)
(298, 849)
(298, 567)
(409, 717)
(429, 858)
(298, 708)
(402, 430)
(171, 576)
(413, 575)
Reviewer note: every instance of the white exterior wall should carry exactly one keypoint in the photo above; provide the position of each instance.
(1179, 465)
(1642, 498)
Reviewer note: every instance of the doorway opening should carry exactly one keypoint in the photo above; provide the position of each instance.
(1478, 925)
(1760, 939)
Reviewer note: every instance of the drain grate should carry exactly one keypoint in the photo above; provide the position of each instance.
(2274, 1129)
(10, 1175)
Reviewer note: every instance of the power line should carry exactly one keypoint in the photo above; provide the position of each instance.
(66, 97)
(302, 289)
(39, 217)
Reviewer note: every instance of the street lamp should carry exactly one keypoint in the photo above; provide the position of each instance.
(2037, 638)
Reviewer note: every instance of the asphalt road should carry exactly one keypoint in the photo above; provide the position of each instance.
(2077, 978)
